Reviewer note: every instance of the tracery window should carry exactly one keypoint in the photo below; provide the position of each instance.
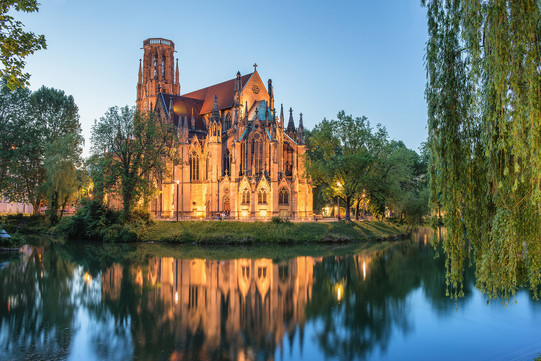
(283, 197)
(245, 196)
(194, 166)
(257, 154)
(163, 68)
(227, 162)
(262, 196)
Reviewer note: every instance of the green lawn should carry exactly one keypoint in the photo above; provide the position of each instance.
(232, 232)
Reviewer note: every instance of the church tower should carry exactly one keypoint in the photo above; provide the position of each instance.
(158, 72)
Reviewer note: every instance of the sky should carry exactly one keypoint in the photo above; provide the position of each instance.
(362, 56)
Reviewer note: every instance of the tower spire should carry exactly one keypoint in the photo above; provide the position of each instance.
(301, 131)
(282, 115)
(271, 94)
(291, 123)
(237, 89)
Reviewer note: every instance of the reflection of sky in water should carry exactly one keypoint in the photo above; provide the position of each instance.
(377, 305)
(96, 338)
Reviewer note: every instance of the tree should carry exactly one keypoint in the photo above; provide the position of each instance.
(16, 44)
(484, 118)
(341, 153)
(129, 149)
(33, 124)
(62, 157)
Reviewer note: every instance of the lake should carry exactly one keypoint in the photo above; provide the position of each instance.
(380, 301)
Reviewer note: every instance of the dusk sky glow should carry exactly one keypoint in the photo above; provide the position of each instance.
(365, 57)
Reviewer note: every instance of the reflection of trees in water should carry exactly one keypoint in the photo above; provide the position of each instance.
(374, 303)
(36, 307)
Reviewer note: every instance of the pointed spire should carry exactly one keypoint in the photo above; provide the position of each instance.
(282, 115)
(185, 125)
(246, 112)
(271, 94)
(301, 131)
(140, 73)
(291, 123)
(237, 89)
(215, 111)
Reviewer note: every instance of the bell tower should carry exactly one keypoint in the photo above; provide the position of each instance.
(158, 72)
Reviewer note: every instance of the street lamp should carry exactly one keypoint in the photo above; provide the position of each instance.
(177, 200)
(338, 199)
(364, 201)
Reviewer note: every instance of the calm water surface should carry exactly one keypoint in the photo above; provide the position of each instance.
(154, 302)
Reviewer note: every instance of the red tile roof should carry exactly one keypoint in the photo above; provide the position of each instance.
(224, 91)
(183, 106)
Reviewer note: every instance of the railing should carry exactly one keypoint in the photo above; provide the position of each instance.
(158, 41)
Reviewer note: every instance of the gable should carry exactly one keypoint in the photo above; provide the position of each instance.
(254, 90)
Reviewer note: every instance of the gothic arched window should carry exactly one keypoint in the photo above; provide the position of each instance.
(283, 197)
(163, 68)
(245, 196)
(194, 166)
(257, 154)
(262, 196)
(227, 162)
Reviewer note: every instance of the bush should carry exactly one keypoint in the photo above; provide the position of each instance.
(278, 220)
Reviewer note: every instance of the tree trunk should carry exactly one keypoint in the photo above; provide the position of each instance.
(357, 209)
(35, 207)
(348, 206)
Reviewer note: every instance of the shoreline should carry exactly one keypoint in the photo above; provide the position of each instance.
(244, 233)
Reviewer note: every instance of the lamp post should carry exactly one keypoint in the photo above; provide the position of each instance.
(177, 200)
(364, 201)
(338, 199)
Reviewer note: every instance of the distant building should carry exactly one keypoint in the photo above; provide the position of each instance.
(6, 206)
(238, 156)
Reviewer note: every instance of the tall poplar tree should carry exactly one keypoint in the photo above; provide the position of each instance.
(484, 117)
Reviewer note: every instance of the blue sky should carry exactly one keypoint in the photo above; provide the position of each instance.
(363, 57)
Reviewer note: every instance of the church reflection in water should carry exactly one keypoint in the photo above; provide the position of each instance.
(251, 302)
(243, 305)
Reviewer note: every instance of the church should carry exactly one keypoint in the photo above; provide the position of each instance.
(238, 159)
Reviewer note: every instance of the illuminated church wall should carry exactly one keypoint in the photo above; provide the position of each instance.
(238, 156)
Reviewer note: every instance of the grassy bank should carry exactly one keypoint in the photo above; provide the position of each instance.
(231, 232)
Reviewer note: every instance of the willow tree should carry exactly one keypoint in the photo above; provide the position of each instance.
(484, 117)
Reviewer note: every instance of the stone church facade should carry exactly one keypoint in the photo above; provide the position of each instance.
(237, 156)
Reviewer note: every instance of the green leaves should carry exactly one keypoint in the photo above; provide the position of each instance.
(41, 139)
(129, 150)
(484, 109)
(16, 44)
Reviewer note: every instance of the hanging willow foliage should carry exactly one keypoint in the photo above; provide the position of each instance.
(483, 61)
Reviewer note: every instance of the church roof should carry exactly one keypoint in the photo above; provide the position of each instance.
(224, 91)
(184, 106)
